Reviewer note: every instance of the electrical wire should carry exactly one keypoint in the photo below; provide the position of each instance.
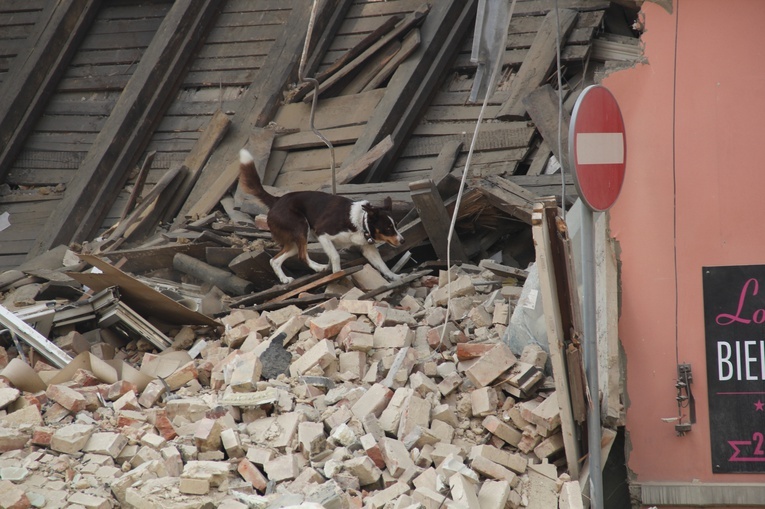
(314, 101)
(489, 92)
(560, 112)
(674, 183)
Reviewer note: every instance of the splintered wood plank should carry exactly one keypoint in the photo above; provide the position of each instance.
(56, 36)
(555, 334)
(408, 46)
(541, 58)
(488, 140)
(402, 27)
(544, 185)
(214, 132)
(128, 129)
(331, 112)
(371, 68)
(351, 171)
(355, 46)
(436, 220)
(317, 283)
(313, 159)
(542, 105)
(308, 139)
(274, 166)
(508, 197)
(260, 103)
(325, 31)
(412, 84)
(259, 145)
(444, 163)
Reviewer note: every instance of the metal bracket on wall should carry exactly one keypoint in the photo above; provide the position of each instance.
(685, 400)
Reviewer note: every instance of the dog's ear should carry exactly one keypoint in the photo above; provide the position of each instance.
(387, 204)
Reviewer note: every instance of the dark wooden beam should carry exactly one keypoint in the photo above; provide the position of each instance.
(129, 128)
(325, 28)
(263, 98)
(538, 63)
(414, 82)
(436, 220)
(34, 72)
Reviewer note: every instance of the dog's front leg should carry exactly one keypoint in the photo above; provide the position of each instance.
(332, 254)
(371, 253)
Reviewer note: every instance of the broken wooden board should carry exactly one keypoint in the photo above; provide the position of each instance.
(214, 132)
(508, 197)
(402, 27)
(139, 296)
(408, 46)
(555, 335)
(259, 146)
(276, 291)
(436, 220)
(536, 66)
(330, 113)
(495, 139)
(308, 139)
(326, 279)
(370, 69)
(413, 82)
(144, 259)
(254, 266)
(359, 165)
(542, 105)
(260, 104)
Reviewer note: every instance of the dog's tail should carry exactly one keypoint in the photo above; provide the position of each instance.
(249, 181)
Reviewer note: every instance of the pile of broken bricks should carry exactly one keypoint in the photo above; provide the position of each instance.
(348, 404)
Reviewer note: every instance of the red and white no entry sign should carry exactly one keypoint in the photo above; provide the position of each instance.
(597, 147)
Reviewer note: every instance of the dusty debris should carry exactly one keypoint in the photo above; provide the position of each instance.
(363, 412)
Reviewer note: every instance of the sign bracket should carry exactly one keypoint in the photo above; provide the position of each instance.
(685, 399)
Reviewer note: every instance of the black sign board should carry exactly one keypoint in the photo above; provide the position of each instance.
(734, 319)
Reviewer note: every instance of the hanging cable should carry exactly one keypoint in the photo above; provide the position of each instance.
(489, 92)
(315, 83)
(560, 113)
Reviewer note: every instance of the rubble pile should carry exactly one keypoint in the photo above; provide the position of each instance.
(351, 403)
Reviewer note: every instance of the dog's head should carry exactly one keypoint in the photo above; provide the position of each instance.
(382, 227)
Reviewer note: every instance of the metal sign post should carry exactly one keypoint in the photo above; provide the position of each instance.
(598, 154)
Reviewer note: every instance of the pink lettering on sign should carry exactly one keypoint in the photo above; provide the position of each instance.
(757, 317)
(757, 455)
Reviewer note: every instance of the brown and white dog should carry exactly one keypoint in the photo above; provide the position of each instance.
(336, 221)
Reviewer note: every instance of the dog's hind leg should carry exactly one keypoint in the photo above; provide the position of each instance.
(276, 262)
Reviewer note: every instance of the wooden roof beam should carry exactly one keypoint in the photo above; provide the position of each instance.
(35, 72)
(126, 133)
(413, 83)
(263, 98)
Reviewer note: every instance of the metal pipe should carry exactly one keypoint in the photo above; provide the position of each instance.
(591, 357)
(315, 83)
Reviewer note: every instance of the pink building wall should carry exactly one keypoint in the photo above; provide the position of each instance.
(694, 196)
